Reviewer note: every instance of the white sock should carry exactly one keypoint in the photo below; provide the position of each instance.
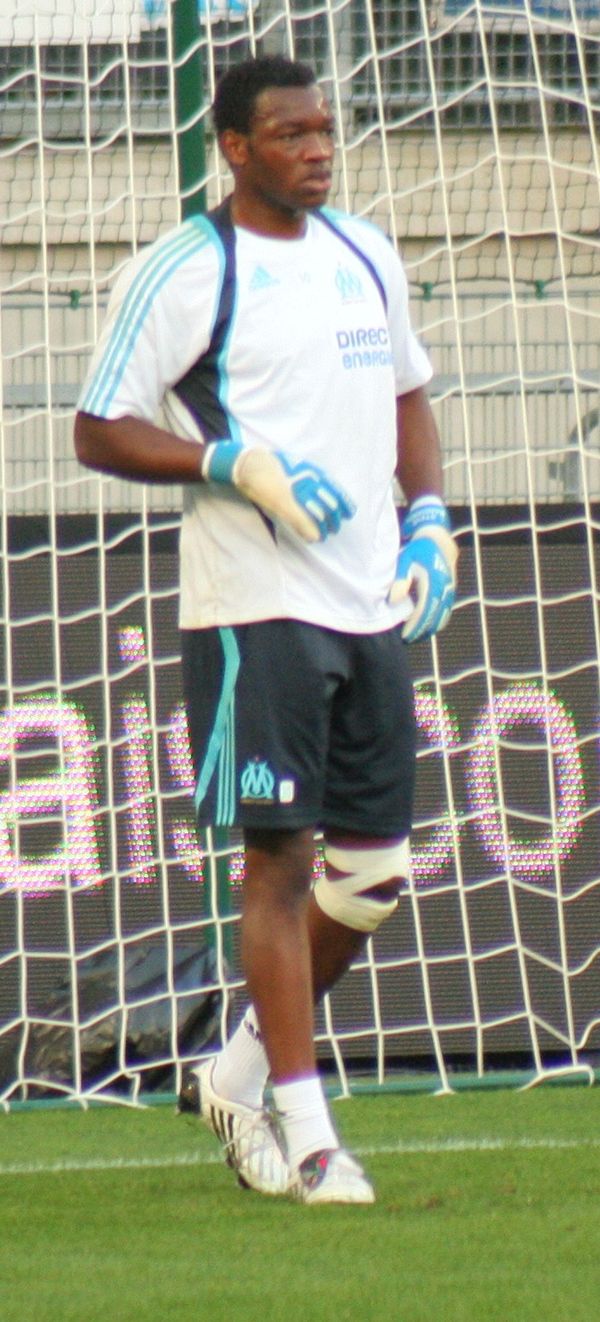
(304, 1118)
(241, 1068)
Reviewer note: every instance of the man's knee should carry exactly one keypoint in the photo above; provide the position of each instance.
(360, 887)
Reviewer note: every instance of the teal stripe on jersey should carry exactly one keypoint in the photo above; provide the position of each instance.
(223, 373)
(143, 290)
(221, 748)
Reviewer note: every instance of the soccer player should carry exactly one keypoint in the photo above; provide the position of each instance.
(275, 335)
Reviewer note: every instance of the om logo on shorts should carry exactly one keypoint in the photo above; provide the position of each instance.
(257, 782)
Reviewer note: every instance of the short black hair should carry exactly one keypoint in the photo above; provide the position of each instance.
(238, 89)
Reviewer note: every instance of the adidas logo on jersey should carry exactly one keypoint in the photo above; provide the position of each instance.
(261, 279)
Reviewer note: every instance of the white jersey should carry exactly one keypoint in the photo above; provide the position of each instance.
(316, 348)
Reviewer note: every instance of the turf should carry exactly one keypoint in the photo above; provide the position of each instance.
(487, 1208)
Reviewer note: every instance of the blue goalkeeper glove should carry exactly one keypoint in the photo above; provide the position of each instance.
(426, 568)
(299, 495)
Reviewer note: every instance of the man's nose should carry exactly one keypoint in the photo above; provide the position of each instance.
(319, 146)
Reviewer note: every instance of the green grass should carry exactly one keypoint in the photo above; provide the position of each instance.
(461, 1229)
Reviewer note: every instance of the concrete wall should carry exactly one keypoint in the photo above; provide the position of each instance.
(501, 243)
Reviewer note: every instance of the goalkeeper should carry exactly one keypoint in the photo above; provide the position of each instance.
(274, 335)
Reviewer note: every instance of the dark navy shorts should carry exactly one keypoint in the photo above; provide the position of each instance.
(293, 726)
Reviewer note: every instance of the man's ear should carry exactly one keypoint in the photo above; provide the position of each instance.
(234, 146)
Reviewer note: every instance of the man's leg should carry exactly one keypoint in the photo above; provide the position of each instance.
(243, 1067)
(294, 950)
(276, 1038)
(275, 947)
(277, 962)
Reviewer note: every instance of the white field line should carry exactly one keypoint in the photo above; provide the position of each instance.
(406, 1147)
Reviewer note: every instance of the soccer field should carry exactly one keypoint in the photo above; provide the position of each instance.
(487, 1208)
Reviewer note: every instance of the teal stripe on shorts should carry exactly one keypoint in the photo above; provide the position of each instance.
(220, 752)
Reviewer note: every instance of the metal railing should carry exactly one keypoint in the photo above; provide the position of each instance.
(516, 396)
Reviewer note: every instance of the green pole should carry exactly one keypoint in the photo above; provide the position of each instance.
(189, 98)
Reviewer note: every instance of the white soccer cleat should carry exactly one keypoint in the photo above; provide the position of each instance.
(331, 1176)
(248, 1136)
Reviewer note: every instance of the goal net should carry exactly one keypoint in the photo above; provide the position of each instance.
(469, 133)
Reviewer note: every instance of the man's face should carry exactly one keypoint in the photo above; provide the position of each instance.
(286, 158)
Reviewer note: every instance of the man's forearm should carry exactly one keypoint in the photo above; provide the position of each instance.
(134, 449)
(419, 470)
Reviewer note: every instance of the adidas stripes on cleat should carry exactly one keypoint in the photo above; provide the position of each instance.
(248, 1135)
(331, 1176)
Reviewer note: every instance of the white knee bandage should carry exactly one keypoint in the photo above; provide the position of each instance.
(352, 872)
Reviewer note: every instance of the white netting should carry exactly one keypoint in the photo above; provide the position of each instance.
(469, 132)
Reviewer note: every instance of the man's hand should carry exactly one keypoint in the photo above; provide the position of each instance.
(299, 495)
(426, 568)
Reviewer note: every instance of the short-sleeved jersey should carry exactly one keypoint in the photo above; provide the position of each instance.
(316, 348)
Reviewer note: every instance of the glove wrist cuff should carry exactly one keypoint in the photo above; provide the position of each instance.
(425, 510)
(219, 460)
(432, 500)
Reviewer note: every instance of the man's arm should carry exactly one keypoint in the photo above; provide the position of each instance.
(419, 468)
(426, 568)
(300, 495)
(135, 449)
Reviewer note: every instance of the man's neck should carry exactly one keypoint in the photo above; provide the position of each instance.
(269, 221)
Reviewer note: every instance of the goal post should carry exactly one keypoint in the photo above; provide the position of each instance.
(469, 133)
